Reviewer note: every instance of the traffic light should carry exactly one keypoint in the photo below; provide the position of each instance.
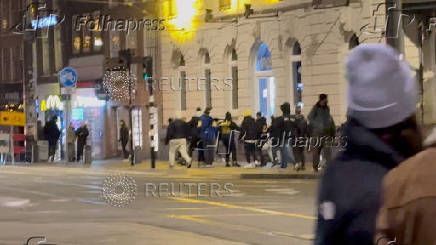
(147, 64)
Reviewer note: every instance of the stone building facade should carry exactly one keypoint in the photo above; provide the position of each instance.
(283, 51)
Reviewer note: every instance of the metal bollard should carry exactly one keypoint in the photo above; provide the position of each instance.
(87, 155)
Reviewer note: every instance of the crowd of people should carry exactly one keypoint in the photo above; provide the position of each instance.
(274, 145)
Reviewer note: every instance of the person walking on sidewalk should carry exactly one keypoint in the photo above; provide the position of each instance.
(381, 131)
(288, 126)
(248, 136)
(208, 131)
(301, 132)
(71, 142)
(82, 135)
(124, 138)
(321, 126)
(176, 137)
(52, 133)
(227, 130)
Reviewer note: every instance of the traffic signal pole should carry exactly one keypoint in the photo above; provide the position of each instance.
(127, 56)
(153, 119)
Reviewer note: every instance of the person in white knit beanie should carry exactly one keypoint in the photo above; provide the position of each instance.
(381, 131)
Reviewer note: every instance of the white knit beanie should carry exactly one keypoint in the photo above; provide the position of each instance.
(381, 88)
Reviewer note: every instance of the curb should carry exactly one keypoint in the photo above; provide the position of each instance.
(279, 176)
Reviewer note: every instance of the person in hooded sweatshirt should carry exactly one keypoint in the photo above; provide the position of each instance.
(194, 136)
(288, 125)
(249, 137)
(381, 131)
(227, 130)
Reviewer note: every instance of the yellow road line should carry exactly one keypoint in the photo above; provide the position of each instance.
(232, 206)
(239, 227)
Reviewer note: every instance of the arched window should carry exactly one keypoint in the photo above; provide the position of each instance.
(266, 81)
(354, 42)
(296, 74)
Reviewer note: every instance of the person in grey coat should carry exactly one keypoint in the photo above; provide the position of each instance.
(321, 126)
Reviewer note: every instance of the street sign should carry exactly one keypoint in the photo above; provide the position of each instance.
(68, 80)
(12, 118)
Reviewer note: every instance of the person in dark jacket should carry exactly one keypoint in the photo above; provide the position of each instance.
(249, 135)
(260, 125)
(82, 135)
(275, 132)
(301, 133)
(227, 135)
(288, 126)
(208, 131)
(321, 126)
(124, 138)
(381, 131)
(52, 134)
(177, 133)
(194, 136)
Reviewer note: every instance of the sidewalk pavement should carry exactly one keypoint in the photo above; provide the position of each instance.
(218, 170)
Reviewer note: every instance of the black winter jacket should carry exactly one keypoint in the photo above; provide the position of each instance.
(248, 129)
(178, 129)
(349, 192)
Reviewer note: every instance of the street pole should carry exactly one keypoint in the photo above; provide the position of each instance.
(153, 126)
(126, 55)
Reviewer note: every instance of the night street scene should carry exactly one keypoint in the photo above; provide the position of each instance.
(223, 122)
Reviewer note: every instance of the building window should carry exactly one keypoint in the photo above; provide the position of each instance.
(234, 70)
(225, 4)
(183, 90)
(207, 75)
(296, 75)
(208, 79)
(87, 41)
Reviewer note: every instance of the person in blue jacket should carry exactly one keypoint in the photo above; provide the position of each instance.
(208, 132)
(381, 131)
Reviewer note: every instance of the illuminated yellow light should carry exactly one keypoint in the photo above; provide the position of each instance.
(182, 15)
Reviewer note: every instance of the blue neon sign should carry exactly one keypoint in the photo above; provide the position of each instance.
(43, 22)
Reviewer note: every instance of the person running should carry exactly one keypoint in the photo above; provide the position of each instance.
(194, 137)
(249, 137)
(208, 133)
(176, 137)
(381, 131)
(321, 126)
(227, 134)
(52, 134)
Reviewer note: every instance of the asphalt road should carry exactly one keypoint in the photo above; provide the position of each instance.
(67, 206)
